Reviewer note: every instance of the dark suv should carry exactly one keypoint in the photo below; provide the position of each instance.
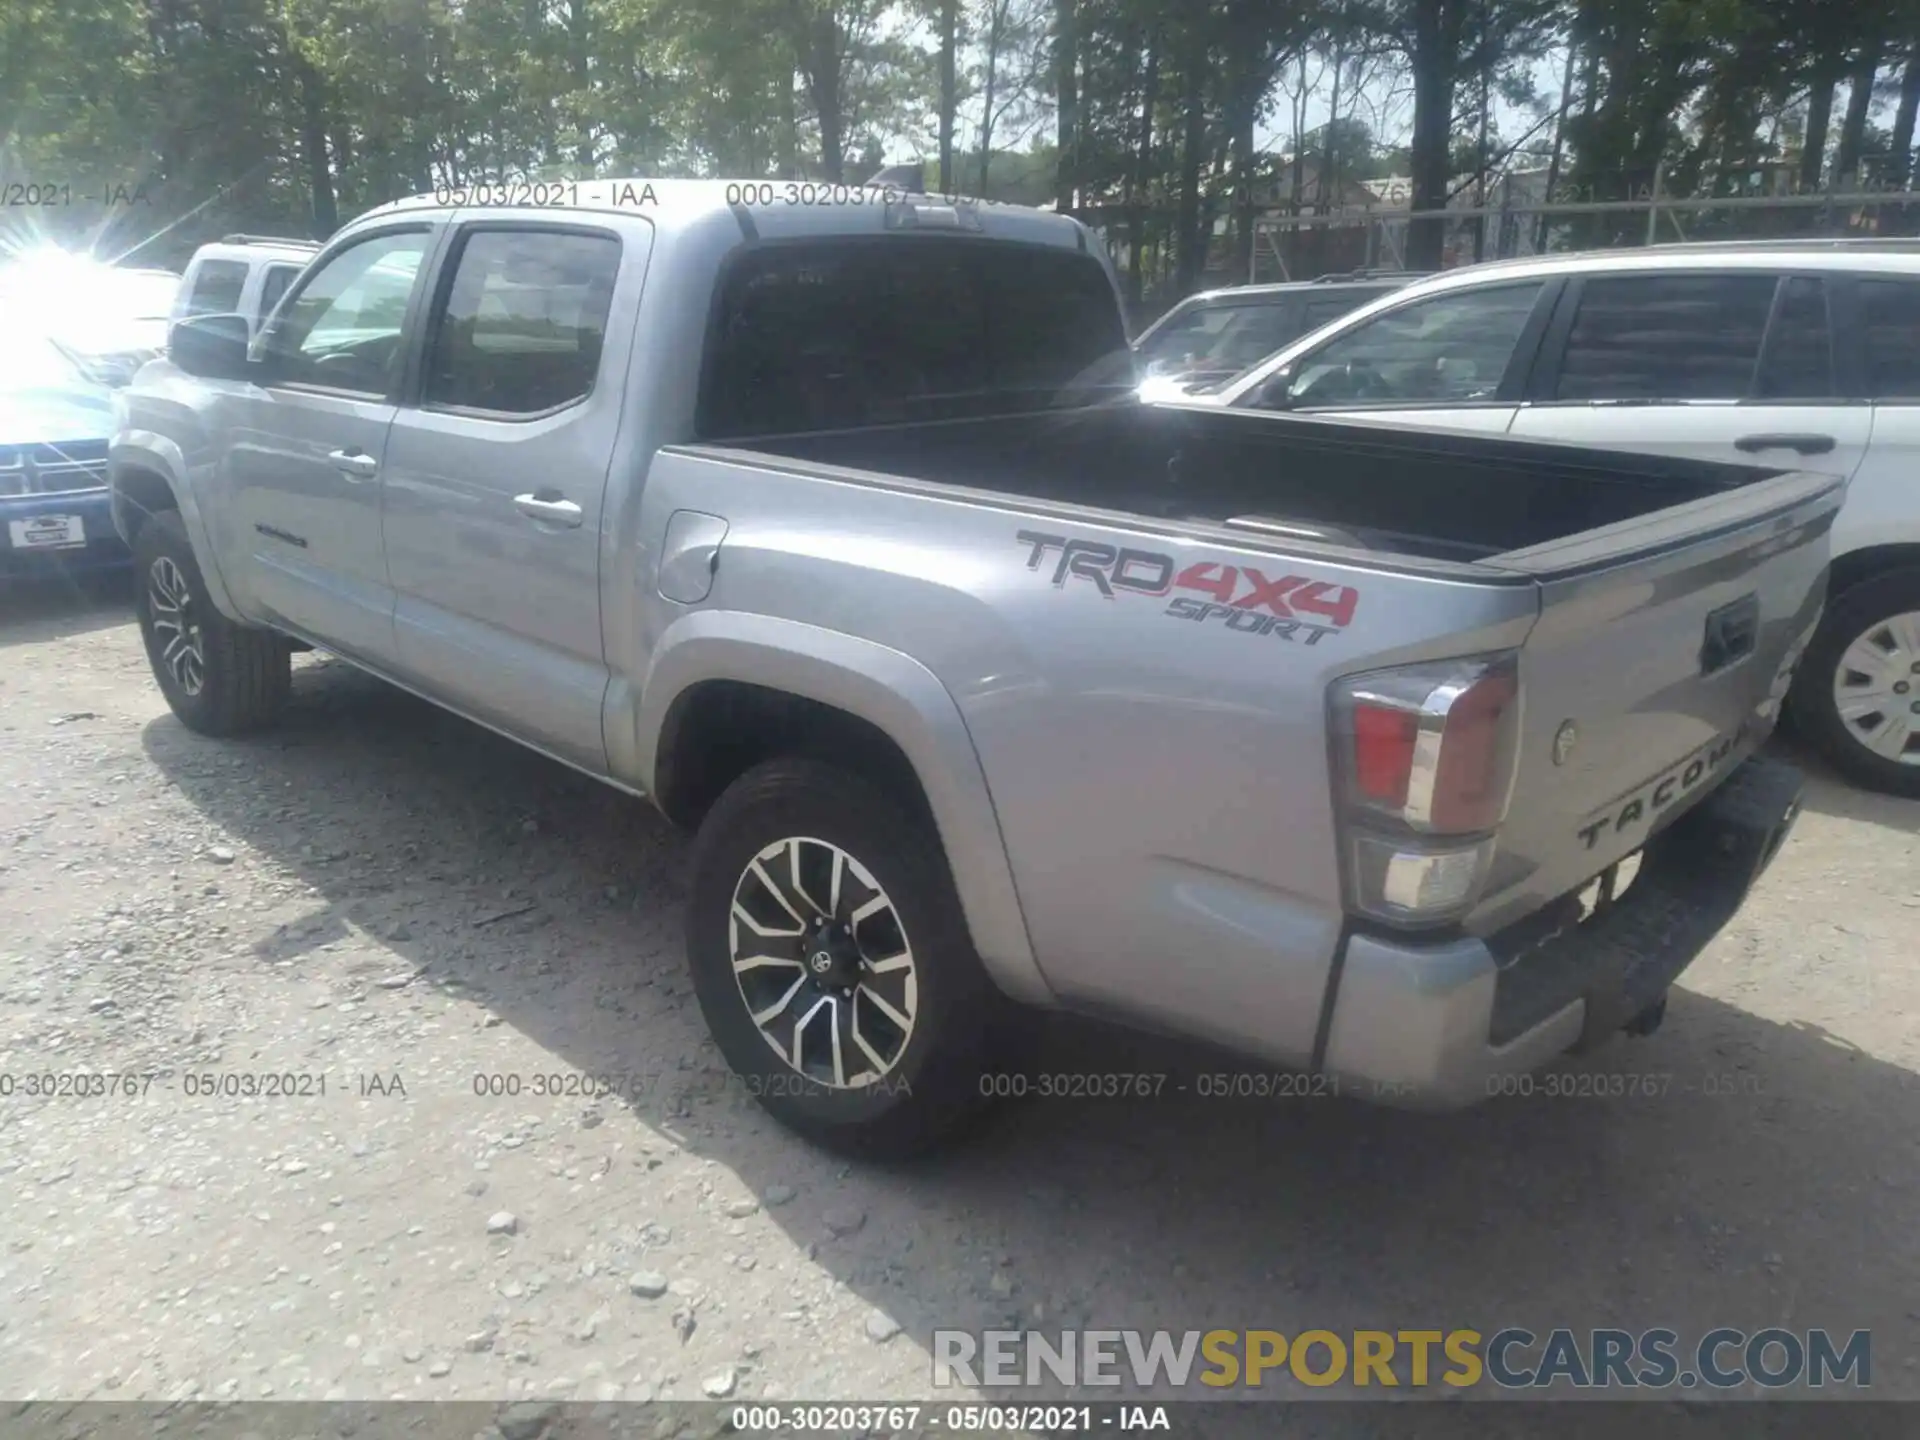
(1216, 334)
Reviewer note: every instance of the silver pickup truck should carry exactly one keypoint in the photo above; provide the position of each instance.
(828, 523)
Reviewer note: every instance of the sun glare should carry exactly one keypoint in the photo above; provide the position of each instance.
(58, 291)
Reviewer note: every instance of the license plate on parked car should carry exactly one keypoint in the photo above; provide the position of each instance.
(47, 532)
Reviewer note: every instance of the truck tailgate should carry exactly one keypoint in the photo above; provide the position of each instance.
(1662, 651)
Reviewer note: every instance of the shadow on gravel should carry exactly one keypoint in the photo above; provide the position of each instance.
(37, 611)
(1729, 1170)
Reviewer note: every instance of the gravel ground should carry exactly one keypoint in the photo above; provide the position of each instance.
(394, 900)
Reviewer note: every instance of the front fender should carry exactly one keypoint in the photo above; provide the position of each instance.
(888, 689)
(149, 452)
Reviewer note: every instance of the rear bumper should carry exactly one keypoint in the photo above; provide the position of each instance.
(103, 550)
(1439, 1025)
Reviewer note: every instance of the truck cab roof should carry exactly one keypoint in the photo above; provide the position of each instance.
(759, 208)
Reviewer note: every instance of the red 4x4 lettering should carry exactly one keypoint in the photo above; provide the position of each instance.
(1336, 602)
(1296, 594)
(1288, 597)
(1200, 577)
(1270, 593)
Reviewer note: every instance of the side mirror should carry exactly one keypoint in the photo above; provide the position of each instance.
(213, 347)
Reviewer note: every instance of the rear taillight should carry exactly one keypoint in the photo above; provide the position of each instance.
(1426, 757)
(1383, 746)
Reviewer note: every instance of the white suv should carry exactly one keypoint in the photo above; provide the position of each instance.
(241, 275)
(1804, 355)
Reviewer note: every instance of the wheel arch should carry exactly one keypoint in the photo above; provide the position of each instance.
(726, 690)
(145, 474)
(1871, 562)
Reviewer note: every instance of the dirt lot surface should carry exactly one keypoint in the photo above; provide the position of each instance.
(394, 902)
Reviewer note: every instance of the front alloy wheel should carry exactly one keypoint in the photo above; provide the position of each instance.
(823, 963)
(176, 625)
(220, 677)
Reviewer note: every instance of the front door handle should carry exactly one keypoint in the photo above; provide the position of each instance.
(1805, 444)
(354, 462)
(549, 508)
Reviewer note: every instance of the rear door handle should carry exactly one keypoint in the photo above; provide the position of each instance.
(1805, 444)
(549, 508)
(354, 462)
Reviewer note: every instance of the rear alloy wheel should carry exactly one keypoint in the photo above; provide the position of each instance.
(1858, 691)
(829, 981)
(833, 965)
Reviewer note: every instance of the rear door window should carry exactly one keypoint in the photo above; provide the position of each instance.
(1890, 338)
(1798, 364)
(822, 335)
(1666, 337)
(520, 330)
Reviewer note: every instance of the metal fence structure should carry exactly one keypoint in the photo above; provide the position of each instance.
(1302, 247)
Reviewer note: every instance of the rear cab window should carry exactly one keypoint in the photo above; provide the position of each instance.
(858, 331)
(216, 288)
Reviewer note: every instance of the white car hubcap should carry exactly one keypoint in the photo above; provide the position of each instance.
(1876, 688)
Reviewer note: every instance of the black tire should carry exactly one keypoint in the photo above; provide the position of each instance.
(244, 673)
(943, 1076)
(1811, 701)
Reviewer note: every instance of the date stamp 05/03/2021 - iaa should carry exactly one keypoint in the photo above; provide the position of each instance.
(137, 1083)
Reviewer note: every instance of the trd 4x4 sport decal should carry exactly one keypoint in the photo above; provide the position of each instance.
(1238, 596)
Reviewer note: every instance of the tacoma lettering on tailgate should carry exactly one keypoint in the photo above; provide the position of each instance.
(1243, 599)
(1651, 798)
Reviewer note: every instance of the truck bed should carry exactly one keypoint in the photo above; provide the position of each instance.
(1157, 757)
(1372, 487)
